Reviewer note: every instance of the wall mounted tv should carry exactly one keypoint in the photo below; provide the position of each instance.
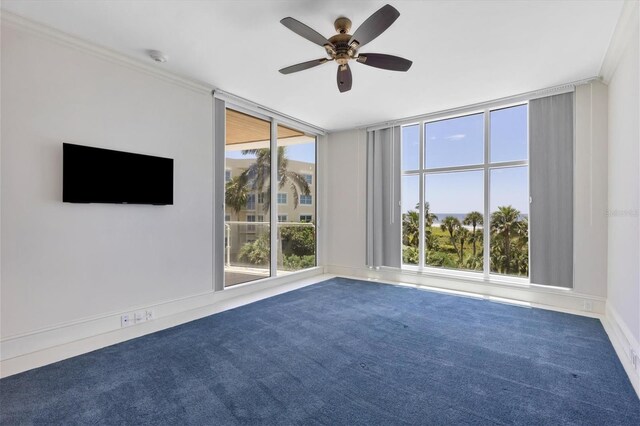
(96, 175)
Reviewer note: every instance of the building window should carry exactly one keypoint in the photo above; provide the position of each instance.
(261, 198)
(227, 175)
(305, 199)
(282, 198)
(251, 202)
(227, 217)
(469, 182)
(282, 218)
(308, 178)
(251, 218)
(305, 218)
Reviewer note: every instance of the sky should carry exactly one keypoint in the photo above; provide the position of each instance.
(457, 142)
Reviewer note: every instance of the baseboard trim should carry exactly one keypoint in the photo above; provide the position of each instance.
(535, 296)
(36, 349)
(623, 342)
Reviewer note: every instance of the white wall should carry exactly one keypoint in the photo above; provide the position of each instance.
(590, 189)
(345, 199)
(624, 186)
(346, 215)
(62, 262)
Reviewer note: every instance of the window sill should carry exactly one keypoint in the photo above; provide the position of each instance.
(478, 277)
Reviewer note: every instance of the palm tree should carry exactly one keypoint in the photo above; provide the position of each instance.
(258, 176)
(410, 228)
(474, 219)
(462, 235)
(236, 194)
(451, 224)
(504, 223)
(429, 217)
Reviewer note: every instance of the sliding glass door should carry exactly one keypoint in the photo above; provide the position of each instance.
(296, 200)
(270, 200)
(247, 248)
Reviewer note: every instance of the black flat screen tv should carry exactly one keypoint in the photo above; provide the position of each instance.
(96, 175)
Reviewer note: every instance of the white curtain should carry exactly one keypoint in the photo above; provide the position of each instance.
(383, 198)
(551, 190)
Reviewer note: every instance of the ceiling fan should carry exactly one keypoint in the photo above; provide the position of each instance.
(343, 46)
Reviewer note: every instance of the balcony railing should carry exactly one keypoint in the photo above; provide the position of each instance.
(248, 250)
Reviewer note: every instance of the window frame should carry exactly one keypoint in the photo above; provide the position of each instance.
(486, 166)
(310, 216)
(304, 197)
(251, 202)
(308, 177)
(286, 199)
(222, 102)
(251, 218)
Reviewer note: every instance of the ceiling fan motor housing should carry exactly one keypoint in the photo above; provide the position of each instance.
(343, 52)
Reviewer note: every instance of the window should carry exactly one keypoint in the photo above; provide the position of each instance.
(305, 199)
(261, 242)
(247, 245)
(305, 218)
(251, 202)
(297, 247)
(465, 193)
(251, 218)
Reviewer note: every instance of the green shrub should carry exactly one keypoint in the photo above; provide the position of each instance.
(294, 263)
(298, 240)
(257, 252)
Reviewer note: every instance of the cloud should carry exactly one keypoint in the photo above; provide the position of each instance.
(456, 137)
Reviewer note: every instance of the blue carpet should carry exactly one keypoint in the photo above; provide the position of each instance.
(342, 352)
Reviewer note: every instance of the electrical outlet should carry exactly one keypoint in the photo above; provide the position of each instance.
(634, 359)
(149, 315)
(125, 320)
(587, 305)
(139, 316)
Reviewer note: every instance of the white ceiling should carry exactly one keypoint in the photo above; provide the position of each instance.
(463, 52)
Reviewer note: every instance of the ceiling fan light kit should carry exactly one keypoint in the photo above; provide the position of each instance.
(344, 47)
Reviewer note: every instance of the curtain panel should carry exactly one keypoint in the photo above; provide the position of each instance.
(384, 241)
(551, 123)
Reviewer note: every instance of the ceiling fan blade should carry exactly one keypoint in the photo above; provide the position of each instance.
(344, 78)
(303, 66)
(305, 31)
(375, 25)
(386, 62)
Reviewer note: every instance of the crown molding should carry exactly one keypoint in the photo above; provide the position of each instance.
(625, 29)
(12, 20)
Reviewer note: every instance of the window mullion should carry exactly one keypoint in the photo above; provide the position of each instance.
(273, 219)
(421, 198)
(486, 231)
